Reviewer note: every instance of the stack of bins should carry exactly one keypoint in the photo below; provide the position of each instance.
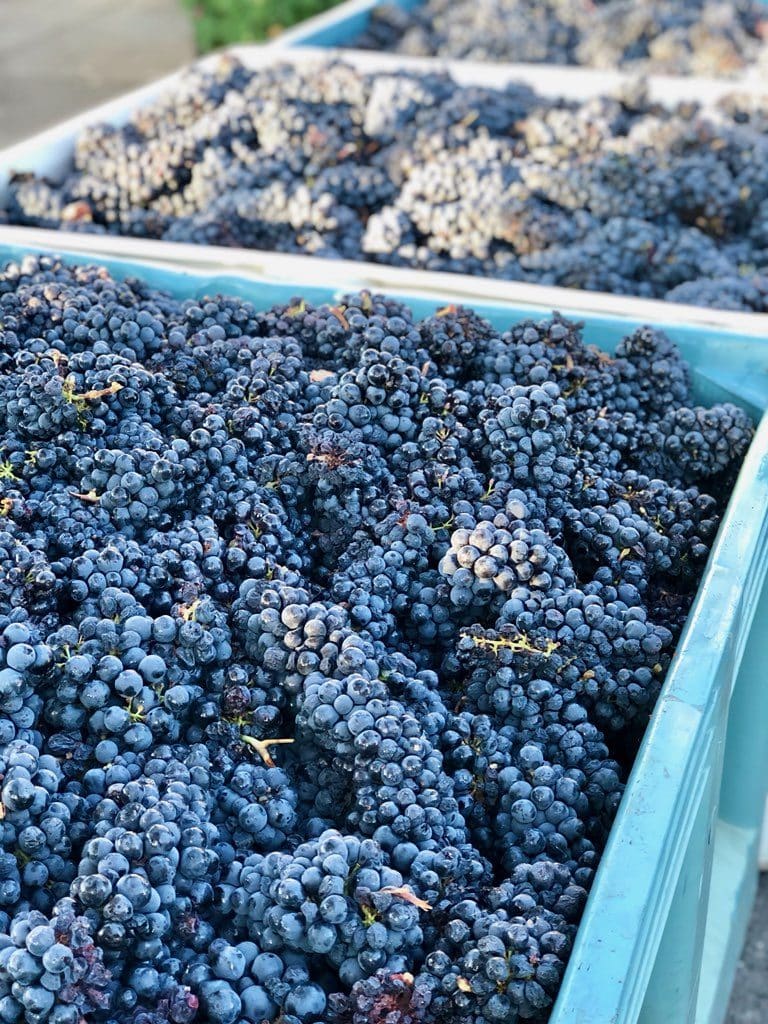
(666, 917)
(50, 155)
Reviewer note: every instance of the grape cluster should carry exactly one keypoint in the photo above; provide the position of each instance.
(693, 37)
(613, 194)
(327, 638)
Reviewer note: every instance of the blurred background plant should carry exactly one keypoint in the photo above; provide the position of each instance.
(220, 22)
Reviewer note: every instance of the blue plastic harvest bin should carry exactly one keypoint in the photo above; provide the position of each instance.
(340, 27)
(666, 918)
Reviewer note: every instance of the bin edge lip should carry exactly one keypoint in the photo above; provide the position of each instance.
(260, 264)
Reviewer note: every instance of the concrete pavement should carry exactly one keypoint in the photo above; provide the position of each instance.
(58, 58)
(749, 1000)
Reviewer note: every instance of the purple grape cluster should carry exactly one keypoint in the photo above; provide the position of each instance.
(327, 638)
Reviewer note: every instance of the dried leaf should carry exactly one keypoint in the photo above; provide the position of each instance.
(91, 396)
(408, 896)
(261, 748)
(338, 312)
(317, 376)
(91, 496)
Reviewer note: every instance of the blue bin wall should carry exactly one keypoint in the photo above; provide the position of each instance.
(345, 27)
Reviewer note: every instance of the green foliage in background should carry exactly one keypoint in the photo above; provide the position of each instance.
(219, 22)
